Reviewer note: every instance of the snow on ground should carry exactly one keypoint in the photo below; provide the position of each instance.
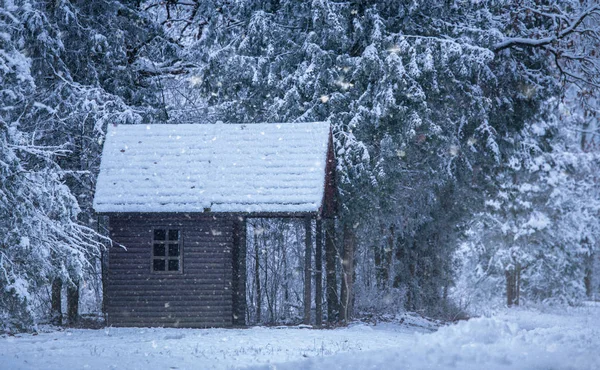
(512, 339)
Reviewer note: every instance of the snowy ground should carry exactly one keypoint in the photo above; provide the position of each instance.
(515, 339)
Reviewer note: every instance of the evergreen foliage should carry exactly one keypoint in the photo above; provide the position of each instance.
(67, 70)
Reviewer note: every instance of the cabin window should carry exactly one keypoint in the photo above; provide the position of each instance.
(166, 250)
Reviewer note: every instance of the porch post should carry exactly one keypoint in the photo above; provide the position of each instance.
(307, 268)
(319, 272)
(239, 272)
(330, 270)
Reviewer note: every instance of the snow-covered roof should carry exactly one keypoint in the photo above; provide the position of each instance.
(263, 167)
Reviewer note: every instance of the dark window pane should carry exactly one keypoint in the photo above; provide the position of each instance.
(173, 265)
(173, 250)
(173, 234)
(160, 234)
(159, 265)
(159, 250)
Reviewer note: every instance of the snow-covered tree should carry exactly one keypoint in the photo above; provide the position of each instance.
(68, 69)
(40, 239)
(541, 224)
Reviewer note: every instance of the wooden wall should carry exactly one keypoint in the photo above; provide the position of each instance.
(209, 291)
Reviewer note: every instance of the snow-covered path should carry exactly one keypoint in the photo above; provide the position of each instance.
(515, 339)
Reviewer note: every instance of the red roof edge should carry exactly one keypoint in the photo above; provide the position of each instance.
(329, 204)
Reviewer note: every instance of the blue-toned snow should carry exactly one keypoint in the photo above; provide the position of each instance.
(519, 339)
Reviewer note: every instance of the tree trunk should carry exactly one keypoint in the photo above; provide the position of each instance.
(73, 303)
(513, 285)
(319, 273)
(307, 268)
(330, 269)
(387, 265)
(378, 258)
(589, 273)
(347, 274)
(56, 314)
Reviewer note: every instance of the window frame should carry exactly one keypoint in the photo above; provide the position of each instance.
(166, 243)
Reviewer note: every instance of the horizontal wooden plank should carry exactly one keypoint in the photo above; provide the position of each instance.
(187, 281)
(198, 271)
(122, 268)
(165, 319)
(181, 317)
(183, 284)
(146, 258)
(180, 312)
(155, 289)
(168, 285)
(201, 301)
(200, 252)
(214, 310)
(169, 305)
(187, 278)
(215, 229)
(212, 217)
(172, 286)
(132, 240)
(193, 256)
(158, 299)
(200, 288)
(136, 242)
(191, 233)
(142, 274)
(161, 297)
(185, 325)
(197, 309)
(143, 225)
(169, 218)
(171, 322)
(191, 324)
(204, 268)
(144, 255)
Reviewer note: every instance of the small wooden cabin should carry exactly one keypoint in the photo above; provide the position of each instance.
(177, 198)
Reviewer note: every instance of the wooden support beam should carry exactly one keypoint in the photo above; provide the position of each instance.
(330, 270)
(347, 294)
(238, 281)
(307, 268)
(257, 278)
(319, 272)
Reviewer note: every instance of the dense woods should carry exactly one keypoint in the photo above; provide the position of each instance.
(465, 138)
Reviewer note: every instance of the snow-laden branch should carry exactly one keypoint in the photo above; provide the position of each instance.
(523, 41)
(572, 27)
